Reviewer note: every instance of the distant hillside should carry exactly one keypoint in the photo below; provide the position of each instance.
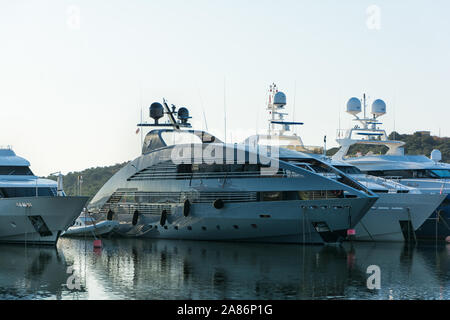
(416, 144)
(93, 179)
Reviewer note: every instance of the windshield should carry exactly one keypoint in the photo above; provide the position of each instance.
(179, 137)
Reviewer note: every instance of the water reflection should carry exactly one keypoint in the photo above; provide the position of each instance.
(31, 272)
(169, 269)
(166, 269)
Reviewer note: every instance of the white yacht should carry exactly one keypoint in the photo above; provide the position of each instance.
(187, 184)
(428, 175)
(399, 211)
(32, 210)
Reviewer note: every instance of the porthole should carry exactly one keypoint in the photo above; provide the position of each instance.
(218, 204)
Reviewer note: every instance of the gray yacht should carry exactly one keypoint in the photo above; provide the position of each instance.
(187, 184)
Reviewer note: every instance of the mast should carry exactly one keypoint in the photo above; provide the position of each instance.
(275, 105)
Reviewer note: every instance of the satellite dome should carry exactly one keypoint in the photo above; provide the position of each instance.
(354, 106)
(378, 107)
(279, 100)
(436, 155)
(156, 111)
(183, 114)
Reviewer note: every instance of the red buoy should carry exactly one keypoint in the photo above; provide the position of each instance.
(351, 232)
(97, 243)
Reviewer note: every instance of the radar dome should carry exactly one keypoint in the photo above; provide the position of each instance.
(156, 111)
(354, 106)
(436, 155)
(378, 107)
(279, 100)
(183, 114)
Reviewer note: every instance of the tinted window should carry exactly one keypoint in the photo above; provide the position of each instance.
(224, 168)
(348, 169)
(413, 174)
(15, 170)
(441, 173)
(27, 192)
(272, 196)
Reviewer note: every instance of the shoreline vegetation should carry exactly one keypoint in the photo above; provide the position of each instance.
(418, 143)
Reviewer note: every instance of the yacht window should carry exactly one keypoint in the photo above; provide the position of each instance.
(224, 168)
(380, 191)
(314, 164)
(441, 173)
(349, 169)
(392, 173)
(28, 192)
(272, 196)
(181, 137)
(413, 174)
(320, 194)
(15, 170)
(300, 195)
(184, 168)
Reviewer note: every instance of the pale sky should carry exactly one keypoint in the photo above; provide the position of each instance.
(74, 75)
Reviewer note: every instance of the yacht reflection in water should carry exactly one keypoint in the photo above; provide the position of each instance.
(170, 269)
(31, 272)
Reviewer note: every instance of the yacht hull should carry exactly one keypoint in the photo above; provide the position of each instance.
(37, 220)
(396, 216)
(437, 226)
(315, 221)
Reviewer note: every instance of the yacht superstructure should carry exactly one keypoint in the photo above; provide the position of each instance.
(428, 175)
(399, 211)
(187, 184)
(31, 211)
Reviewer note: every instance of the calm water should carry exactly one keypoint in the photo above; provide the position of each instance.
(164, 269)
